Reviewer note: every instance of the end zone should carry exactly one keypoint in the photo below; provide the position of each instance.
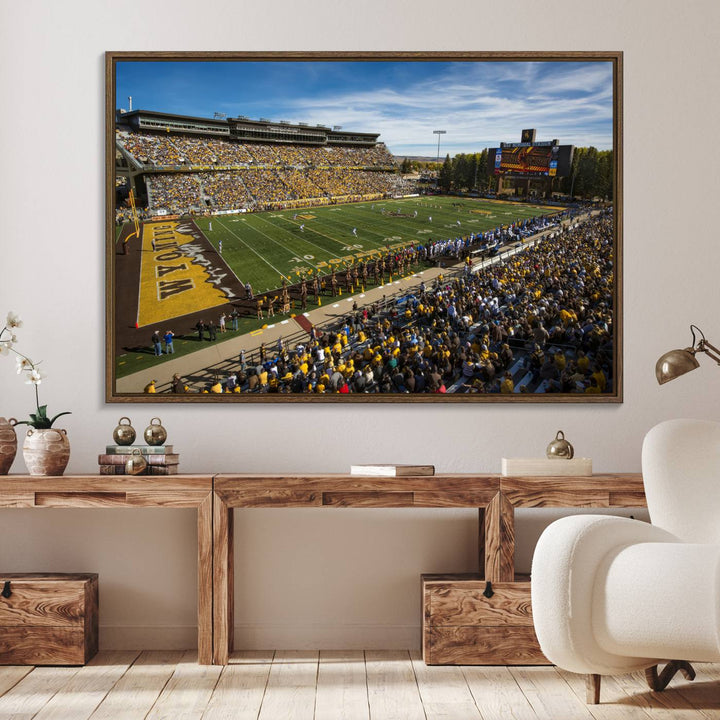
(180, 273)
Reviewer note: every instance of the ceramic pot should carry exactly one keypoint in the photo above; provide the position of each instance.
(8, 444)
(46, 451)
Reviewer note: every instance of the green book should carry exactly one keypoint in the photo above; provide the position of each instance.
(168, 459)
(144, 449)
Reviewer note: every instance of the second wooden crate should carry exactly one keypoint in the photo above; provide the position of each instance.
(467, 622)
(48, 618)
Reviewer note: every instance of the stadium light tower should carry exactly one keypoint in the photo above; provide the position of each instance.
(439, 133)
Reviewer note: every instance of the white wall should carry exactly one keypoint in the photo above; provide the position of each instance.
(320, 577)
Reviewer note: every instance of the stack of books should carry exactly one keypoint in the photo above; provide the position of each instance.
(160, 459)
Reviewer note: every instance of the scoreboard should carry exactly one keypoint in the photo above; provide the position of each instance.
(531, 159)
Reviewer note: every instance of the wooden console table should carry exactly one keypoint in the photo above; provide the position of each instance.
(126, 491)
(495, 497)
(215, 497)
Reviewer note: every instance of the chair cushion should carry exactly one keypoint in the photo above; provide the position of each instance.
(659, 600)
(565, 563)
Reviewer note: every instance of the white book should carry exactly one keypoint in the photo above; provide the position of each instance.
(392, 470)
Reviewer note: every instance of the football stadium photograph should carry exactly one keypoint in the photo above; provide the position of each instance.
(366, 227)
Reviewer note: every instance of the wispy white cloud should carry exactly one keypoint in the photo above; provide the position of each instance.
(478, 104)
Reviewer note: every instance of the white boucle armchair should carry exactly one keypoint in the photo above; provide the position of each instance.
(613, 595)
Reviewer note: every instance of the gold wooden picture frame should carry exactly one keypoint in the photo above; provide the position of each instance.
(423, 227)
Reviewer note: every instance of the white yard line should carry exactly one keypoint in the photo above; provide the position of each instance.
(279, 244)
(227, 265)
(317, 232)
(308, 242)
(267, 262)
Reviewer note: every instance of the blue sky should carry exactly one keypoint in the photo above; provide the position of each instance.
(478, 104)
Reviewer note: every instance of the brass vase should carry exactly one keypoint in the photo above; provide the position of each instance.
(46, 451)
(8, 444)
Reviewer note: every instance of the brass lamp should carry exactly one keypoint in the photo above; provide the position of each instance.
(677, 362)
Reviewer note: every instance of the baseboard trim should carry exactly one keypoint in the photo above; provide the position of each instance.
(265, 636)
(150, 637)
(326, 637)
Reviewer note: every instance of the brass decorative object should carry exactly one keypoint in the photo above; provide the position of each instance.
(677, 362)
(136, 463)
(124, 433)
(155, 434)
(560, 448)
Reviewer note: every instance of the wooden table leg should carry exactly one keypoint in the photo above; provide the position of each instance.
(481, 541)
(223, 581)
(205, 580)
(499, 518)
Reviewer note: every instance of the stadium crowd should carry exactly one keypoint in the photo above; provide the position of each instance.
(264, 188)
(174, 192)
(171, 150)
(337, 182)
(538, 321)
(217, 174)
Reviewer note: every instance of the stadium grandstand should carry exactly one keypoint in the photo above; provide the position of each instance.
(177, 165)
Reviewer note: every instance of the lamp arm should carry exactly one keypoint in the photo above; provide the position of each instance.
(710, 350)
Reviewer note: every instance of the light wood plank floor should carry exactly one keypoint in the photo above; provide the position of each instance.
(350, 685)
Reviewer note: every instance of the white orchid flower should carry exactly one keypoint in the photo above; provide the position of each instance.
(13, 320)
(35, 377)
(23, 364)
(29, 370)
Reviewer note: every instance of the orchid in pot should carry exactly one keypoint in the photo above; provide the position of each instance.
(46, 450)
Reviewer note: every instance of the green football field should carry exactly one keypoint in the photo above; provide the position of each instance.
(262, 248)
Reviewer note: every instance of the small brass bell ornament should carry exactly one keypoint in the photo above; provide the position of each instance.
(124, 433)
(560, 448)
(136, 463)
(155, 433)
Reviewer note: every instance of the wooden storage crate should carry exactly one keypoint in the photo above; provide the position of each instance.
(461, 626)
(48, 618)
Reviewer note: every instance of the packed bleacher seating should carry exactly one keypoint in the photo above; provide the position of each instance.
(175, 192)
(300, 184)
(226, 189)
(217, 174)
(539, 321)
(266, 187)
(173, 150)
